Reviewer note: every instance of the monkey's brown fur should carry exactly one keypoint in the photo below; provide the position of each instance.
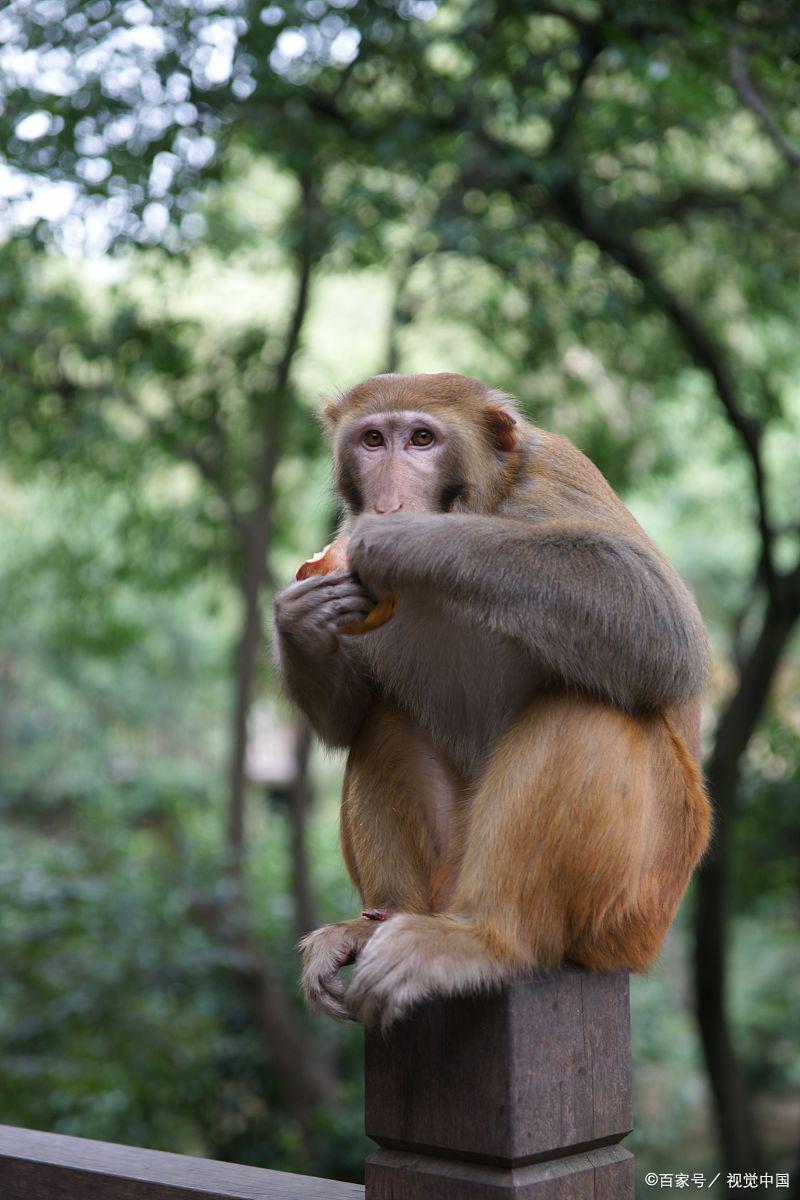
(522, 786)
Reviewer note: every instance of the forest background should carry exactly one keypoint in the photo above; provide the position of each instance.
(214, 212)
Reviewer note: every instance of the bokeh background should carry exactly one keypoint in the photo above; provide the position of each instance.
(214, 212)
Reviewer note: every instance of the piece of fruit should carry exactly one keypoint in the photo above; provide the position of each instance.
(333, 557)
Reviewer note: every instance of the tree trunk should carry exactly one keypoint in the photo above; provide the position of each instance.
(735, 1122)
(299, 803)
(306, 1075)
(246, 662)
(257, 531)
(738, 1139)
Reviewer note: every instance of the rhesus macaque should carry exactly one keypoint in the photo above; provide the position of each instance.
(522, 785)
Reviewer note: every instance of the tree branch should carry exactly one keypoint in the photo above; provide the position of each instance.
(638, 27)
(207, 467)
(257, 532)
(746, 89)
(305, 1073)
(272, 422)
(736, 726)
(554, 10)
(688, 203)
(399, 314)
(590, 47)
(697, 339)
(305, 264)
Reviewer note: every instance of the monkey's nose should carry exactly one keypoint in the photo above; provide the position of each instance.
(388, 506)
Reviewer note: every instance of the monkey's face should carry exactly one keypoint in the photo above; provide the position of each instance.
(422, 443)
(394, 462)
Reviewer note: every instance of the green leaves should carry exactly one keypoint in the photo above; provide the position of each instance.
(533, 194)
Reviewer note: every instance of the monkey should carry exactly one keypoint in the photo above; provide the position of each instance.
(522, 786)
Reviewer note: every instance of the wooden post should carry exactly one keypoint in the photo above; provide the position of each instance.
(524, 1095)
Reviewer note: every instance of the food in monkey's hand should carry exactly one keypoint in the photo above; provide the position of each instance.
(333, 557)
(330, 558)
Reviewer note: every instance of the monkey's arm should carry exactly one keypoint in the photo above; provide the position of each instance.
(595, 607)
(317, 667)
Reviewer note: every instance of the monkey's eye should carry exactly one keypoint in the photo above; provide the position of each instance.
(422, 437)
(372, 438)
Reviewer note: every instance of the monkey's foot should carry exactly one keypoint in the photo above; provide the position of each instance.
(325, 952)
(412, 958)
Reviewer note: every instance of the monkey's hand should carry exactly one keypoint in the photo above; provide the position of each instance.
(325, 952)
(376, 545)
(412, 958)
(388, 554)
(310, 615)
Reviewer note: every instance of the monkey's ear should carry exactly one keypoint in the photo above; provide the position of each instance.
(502, 421)
(331, 411)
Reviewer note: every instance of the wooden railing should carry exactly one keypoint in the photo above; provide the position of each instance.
(523, 1095)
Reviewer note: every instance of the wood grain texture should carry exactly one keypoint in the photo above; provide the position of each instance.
(521, 1095)
(51, 1166)
(605, 1174)
(538, 1071)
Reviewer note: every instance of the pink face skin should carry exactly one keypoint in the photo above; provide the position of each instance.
(398, 456)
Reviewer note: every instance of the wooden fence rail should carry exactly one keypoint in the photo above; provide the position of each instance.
(51, 1166)
(523, 1095)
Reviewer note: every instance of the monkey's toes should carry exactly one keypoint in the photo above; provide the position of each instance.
(325, 952)
(386, 983)
(326, 993)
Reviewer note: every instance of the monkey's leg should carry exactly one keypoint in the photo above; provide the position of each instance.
(578, 841)
(398, 810)
(397, 805)
(631, 931)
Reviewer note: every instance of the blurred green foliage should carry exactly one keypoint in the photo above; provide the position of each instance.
(553, 200)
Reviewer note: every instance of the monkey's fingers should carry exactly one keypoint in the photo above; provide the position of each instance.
(383, 612)
(325, 602)
(316, 583)
(344, 623)
(325, 952)
(352, 600)
(331, 995)
(343, 612)
(327, 996)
